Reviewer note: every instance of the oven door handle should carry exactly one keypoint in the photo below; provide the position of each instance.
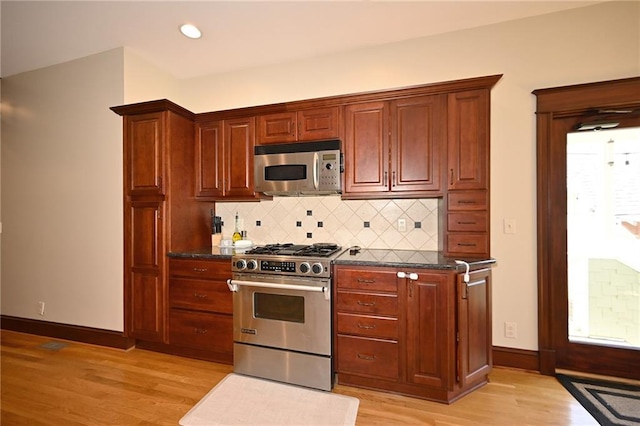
(234, 284)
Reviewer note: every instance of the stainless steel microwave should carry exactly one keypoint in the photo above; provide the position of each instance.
(301, 168)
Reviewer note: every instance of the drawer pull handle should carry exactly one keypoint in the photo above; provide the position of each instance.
(362, 280)
(366, 303)
(200, 330)
(367, 326)
(467, 244)
(460, 222)
(367, 357)
(200, 295)
(200, 269)
(467, 202)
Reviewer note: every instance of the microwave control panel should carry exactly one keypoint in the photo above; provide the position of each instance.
(330, 168)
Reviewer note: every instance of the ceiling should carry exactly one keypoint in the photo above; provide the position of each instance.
(236, 34)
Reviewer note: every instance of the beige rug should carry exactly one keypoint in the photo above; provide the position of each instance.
(242, 400)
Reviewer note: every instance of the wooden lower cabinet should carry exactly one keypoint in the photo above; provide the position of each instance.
(427, 336)
(201, 309)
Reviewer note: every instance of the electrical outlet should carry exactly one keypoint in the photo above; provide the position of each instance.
(511, 330)
(402, 225)
(41, 308)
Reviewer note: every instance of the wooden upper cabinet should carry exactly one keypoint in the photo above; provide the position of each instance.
(277, 128)
(209, 154)
(224, 159)
(237, 157)
(303, 125)
(366, 148)
(143, 154)
(468, 140)
(318, 124)
(395, 147)
(418, 138)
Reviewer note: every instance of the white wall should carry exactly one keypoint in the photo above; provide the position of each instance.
(62, 193)
(582, 45)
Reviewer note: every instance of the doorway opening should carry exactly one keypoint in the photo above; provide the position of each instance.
(603, 237)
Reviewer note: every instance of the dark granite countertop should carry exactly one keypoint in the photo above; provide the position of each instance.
(205, 253)
(365, 257)
(409, 258)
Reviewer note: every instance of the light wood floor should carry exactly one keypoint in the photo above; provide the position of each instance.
(91, 385)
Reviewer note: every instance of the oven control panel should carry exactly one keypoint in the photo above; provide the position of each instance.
(307, 267)
(277, 266)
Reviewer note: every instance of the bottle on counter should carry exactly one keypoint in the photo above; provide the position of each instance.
(237, 236)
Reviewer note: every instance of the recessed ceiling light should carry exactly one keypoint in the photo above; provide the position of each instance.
(190, 31)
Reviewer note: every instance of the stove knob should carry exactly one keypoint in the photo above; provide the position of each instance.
(304, 267)
(317, 268)
(252, 265)
(241, 264)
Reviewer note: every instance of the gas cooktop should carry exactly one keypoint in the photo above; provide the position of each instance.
(290, 249)
(287, 259)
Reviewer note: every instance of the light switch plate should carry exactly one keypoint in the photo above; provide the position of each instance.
(509, 226)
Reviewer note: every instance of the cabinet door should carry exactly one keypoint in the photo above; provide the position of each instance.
(277, 128)
(430, 351)
(366, 148)
(143, 151)
(144, 278)
(468, 140)
(418, 132)
(238, 157)
(318, 124)
(474, 324)
(209, 154)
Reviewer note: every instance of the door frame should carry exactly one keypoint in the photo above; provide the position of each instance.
(558, 110)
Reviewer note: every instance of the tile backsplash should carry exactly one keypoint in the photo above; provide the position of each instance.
(329, 219)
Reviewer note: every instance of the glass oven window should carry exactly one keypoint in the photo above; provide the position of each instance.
(278, 307)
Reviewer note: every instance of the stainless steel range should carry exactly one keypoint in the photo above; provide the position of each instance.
(282, 313)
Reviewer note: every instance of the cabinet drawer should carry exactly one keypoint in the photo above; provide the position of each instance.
(366, 303)
(467, 200)
(198, 268)
(468, 221)
(199, 330)
(468, 243)
(213, 296)
(367, 279)
(368, 326)
(368, 357)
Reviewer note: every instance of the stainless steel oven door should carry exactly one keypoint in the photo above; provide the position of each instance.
(291, 313)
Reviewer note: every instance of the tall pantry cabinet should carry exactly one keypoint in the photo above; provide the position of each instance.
(160, 212)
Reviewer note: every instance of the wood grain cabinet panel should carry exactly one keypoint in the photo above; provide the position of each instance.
(367, 303)
(204, 331)
(209, 164)
(299, 126)
(395, 147)
(367, 325)
(201, 307)
(368, 357)
(143, 154)
(436, 345)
